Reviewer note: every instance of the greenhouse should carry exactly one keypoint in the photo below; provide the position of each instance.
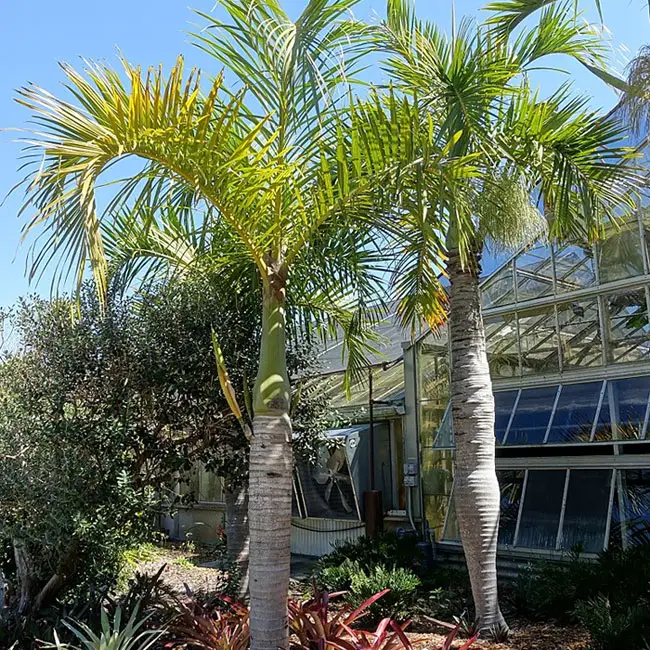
(568, 344)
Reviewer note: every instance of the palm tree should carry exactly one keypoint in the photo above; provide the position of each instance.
(263, 177)
(480, 107)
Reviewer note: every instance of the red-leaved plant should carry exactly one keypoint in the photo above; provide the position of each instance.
(316, 628)
(312, 624)
(198, 626)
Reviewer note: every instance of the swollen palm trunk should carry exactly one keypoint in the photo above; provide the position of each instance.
(271, 464)
(269, 483)
(237, 533)
(476, 490)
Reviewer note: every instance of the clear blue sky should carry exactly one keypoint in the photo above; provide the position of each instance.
(35, 35)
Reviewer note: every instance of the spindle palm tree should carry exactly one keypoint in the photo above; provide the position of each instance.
(264, 176)
(474, 89)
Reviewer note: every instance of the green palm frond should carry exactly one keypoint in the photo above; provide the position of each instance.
(294, 69)
(201, 142)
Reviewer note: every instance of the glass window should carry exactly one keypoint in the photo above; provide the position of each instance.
(587, 506)
(445, 435)
(437, 481)
(534, 269)
(209, 486)
(499, 290)
(503, 403)
(452, 529)
(511, 483)
(603, 431)
(502, 349)
(574, 268)
(628, 329)
(540, 515)
(580, 340)
(575, 413)
(619, 254)
(531, 417)
(631, 511)
(630, 400)
(431, 415)
(433, 366)
(538, 341)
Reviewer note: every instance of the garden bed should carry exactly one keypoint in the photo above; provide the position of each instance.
(194, 568)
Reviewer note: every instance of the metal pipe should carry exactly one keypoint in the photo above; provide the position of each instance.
(371, 425)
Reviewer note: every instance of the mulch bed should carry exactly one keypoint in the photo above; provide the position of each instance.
(185, 568)
(524, 636)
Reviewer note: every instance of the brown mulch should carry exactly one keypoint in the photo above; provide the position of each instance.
(524, 636)
(184, 568)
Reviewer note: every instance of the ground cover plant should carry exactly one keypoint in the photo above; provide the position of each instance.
(610, 597)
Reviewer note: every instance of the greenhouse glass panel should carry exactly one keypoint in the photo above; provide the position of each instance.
(574, 268)
(620, 255)
(534, 270)
(433, 368)
(500, 289)
(431, 415)
(603, 429)
(445, 436)
(532, 415)
(575, 412)
(503, 403)
(437, 482)
(587, 507)
(452, 529)
(538, 341)
(540, 515)
(502, 348)
(630, 399)
(631, 512)
(580, 340)
(628, 331)
(511, 484)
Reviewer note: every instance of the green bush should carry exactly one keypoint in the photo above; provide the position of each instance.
(397, 603)
(552, 590)
(368, 552)
(613, 627)
(338, 578)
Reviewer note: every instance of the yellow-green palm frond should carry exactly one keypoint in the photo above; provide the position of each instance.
(201, 141)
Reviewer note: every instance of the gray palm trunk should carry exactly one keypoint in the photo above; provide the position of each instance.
(271, 464)
(238, 534)
(477, 495)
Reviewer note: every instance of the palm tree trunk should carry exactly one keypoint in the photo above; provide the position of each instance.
(271, 464)
(477, 495)
(237, 533)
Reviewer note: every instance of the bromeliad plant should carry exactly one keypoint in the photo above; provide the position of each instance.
(111, 636)
(212, 628)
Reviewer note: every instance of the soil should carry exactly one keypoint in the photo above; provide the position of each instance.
(197, 569)
(185, 568)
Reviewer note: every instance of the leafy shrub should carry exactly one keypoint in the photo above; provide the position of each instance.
(368, 552)
(338, 578)
(552, 590)
(615, 628)
(401, 584)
